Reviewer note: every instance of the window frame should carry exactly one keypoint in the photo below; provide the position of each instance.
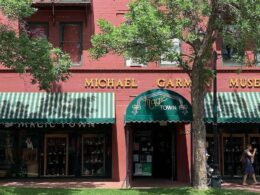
(230, 62)
(61, 34)
(130, 62)
(257, 58)
(172, 63)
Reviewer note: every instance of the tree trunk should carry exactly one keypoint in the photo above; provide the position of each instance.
(198, 127)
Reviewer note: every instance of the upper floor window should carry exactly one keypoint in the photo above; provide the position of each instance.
(133, 62)
(257, 58)
(71, 40)
(231, 56)
(38, 30)
(176, 48)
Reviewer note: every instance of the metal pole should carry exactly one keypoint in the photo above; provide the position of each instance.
(172, 154)
(215, 117)
(127, 184)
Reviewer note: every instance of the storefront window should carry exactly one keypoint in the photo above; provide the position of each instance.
(36, 153)
(93, 155)
(56, 155)
(29, 158)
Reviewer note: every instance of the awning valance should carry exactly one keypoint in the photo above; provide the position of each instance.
(159, 105)
(234, 107)
(57, 107)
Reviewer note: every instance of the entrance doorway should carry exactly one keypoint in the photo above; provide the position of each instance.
(153, 151)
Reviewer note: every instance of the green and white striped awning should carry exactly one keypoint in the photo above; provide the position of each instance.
(234, 107)
(57, 107)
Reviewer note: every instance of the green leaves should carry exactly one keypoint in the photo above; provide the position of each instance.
(17, 8)
(36, 57)
(150, 24)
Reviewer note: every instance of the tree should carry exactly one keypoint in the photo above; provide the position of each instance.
(35, 56)
(147, 35)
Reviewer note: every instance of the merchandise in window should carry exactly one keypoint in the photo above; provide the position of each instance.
(176, 48)
(71, 41)
(38, 30)
(29, 153)
(93, 155)
(56, 155)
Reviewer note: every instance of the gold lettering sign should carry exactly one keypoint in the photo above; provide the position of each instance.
(244, 83)
(110, 83)
(171, 83)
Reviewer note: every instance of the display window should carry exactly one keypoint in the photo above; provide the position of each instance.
(43, 153)
(254, 139)
(233, 141)
(56, 155)
(94, 155)
(233, 147)
(30, 154)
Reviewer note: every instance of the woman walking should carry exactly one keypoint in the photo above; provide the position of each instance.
(248, 159)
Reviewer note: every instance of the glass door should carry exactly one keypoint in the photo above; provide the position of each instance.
(142, 153)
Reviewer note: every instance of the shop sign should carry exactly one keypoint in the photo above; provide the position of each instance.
(110, 83)
(173, 83)
(244, 83)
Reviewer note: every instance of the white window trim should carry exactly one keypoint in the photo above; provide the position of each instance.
(176, 47)
(130, 62)
(257, 58)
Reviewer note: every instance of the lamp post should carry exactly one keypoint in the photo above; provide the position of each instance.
(216, 182)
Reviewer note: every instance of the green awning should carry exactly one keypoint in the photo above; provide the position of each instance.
(234, 107)
(57, 107)
(159, 105)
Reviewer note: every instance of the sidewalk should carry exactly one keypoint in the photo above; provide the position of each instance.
(108, 184)
(62, 183)
(237, 185)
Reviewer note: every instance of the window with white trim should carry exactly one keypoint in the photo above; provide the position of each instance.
(230, 55)
(133, 62)
(176, 48)
(257, 58)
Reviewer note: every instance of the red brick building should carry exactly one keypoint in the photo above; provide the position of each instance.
(114, 117)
